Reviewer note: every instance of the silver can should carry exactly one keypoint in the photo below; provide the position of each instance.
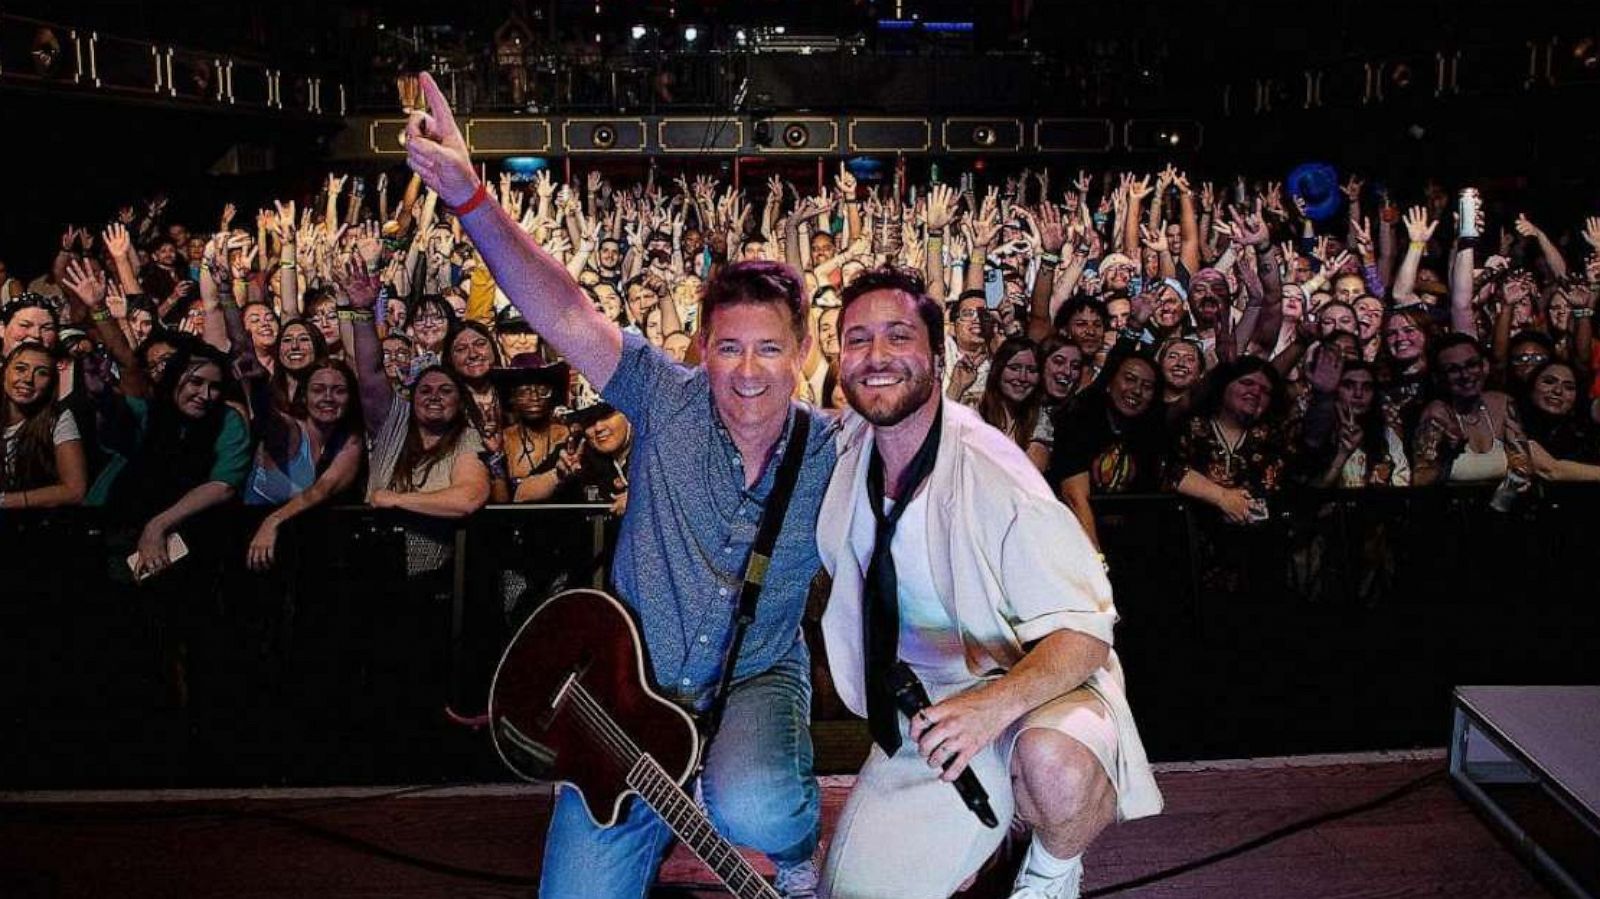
(1467, 206)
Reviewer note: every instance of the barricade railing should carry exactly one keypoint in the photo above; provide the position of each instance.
(1339, 624)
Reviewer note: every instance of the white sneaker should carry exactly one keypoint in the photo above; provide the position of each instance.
(797, 881)
(1031, 885)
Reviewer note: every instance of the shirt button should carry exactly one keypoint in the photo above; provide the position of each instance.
(723, 592)
(685, 682)
(727, 549)
(704, 639)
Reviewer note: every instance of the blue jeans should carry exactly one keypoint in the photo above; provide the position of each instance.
(757, 784)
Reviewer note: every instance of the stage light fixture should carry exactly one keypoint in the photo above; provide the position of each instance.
(603, 136)
(796, 136)
(638, 32)
(740, 37)
(984, 136)
(691, 34)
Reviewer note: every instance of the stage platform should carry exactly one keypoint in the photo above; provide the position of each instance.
(1368, 825)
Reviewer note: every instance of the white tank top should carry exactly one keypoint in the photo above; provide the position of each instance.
(1473, 467)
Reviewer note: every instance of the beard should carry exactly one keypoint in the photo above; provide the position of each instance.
(886, 409)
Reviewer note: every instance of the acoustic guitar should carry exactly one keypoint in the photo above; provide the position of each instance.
(571, 703)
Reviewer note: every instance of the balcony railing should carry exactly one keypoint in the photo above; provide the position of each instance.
(52, 56)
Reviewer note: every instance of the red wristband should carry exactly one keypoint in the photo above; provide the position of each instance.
(473, 202)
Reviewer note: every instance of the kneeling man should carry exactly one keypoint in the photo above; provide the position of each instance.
(949, 552)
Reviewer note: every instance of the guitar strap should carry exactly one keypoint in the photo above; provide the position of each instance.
(755, 568)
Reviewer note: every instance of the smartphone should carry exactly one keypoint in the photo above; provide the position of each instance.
(176, 549)
(994, 288)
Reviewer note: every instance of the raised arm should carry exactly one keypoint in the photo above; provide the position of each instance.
(121, 249)
(535, 282)
(89, 286)
(1052, 238)
(1136, 190)
(1188, 225)
(361, 288)
(1461, 317)
(938, 213)
(1552, 256)
(1418, 231)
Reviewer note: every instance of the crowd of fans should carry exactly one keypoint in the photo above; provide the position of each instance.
(1132, 332)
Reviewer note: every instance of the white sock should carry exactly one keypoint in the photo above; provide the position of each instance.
(1042, 864)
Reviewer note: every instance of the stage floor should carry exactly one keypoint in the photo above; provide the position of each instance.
(482, 841)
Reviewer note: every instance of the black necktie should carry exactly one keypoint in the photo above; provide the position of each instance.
(881, 609)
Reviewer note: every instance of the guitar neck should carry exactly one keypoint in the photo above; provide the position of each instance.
(663, 794)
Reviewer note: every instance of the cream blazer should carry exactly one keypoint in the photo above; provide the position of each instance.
(1011, 565)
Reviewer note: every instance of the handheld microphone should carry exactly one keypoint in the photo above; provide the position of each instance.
(911, 698)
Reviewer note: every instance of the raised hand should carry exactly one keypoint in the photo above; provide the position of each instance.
(940, 208)
(1352, 189)
(360, 286)
(1591, 231)
(1349, 431)
(228, 212)
(595, 179)
(1154, 238)
(1336, 264)
(558, 244)
(86, 283)
(1581, 296)
(845, 183)
(986, 227)
(435, 149)
(1418, 228)
(1165, 178)
(1208, 196)
(1138, 188)
(241, 263)
(1525, 227)
(1249, 229)
(116, 238)
(1361, 236)
(1052, 236)
(285, 220)
(369, 244)
(1274, 199)
(1324, 371)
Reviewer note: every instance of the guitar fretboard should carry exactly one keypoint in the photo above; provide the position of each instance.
(690, 825)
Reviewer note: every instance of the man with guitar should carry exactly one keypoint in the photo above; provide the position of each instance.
(951, 555)
(706, 448)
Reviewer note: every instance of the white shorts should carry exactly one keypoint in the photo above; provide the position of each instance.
(906, 834)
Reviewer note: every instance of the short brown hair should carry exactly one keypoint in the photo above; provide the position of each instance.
(907, 281)
(757, 281)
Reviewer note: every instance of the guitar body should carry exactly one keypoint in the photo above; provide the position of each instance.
(584, 639)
